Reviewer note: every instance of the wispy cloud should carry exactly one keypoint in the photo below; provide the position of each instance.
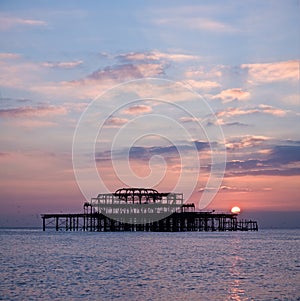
(9, 55)
(285, 154)
(39, 111)
(145, 153)
(7, 23)
(236, 123)
(264, 109)
(271, 110)
(189, 119)
(270, 72)
(33, 123)
(156, 55)
(232, 94)
(202, 85)
(98, 81)
(204, 73)
(281, 160)
(115, 122)
(127, 71)
(196, 23)
(245, 142)
(137, 109)
(208, 24)
(17, 75)
(64, 65)
(225, 188)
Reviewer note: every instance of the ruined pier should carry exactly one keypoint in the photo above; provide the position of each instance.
(139, 209)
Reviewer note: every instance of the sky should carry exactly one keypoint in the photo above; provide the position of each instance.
(198, 97)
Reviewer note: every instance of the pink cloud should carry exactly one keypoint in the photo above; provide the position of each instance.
(225, 188)
(265, 109)
(64, 65)
(203, 85)
(270, 72)
(7, 23)
(188, 119)
(208, 24)
(156, 55)
(40, 111)
(232, 94)
(126, 72)
(245, 142)
(137, 109)
(8, 55)
(197, 23)
(115, 122)
(271, 110)
(35, 123)
(201, 72)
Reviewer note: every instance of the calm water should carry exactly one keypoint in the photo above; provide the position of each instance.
(38, 265)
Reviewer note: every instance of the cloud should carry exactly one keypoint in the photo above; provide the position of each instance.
(156, 55)
(245, 142)
(246, 164)
(233, 189)
(145, 153)
(137, 109)
(188, 119)
(285, 172)
(39, 111)
(127, 71)
(238, 124)
(196, 23)
(271, 110)
(9, 102)
(64, 65)
(202, 85)
(202, 72)
(208, 25)
(29, 76)
(271, 72)
(9, 55)
(115, 122)
(100, 80)
(7, 23)
(225, 189)
(201, 145)
(284, 154)
(34, 123)
(232, 94)
(18, 75)
(263, 109)
(281, 160)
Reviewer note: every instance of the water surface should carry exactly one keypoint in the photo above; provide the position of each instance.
(38, 265)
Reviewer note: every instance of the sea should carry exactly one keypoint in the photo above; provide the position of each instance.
(37, 265)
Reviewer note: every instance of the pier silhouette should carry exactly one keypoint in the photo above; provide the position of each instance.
(141, 209)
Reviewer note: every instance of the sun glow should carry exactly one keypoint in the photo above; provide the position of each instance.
(235, 209)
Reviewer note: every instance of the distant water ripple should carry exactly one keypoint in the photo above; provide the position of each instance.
(39, 265)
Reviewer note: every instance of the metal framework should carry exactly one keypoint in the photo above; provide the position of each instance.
(140, 209)
(136, 204)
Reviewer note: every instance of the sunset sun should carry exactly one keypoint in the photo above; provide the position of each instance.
(235, 209)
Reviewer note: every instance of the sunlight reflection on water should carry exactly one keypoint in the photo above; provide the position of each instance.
(39, 265)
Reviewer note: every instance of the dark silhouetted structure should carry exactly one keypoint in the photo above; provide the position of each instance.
(140, 209)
